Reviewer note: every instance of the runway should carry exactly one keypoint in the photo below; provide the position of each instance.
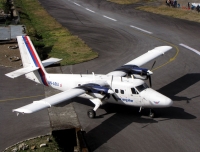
(120, 34)
(15, 93)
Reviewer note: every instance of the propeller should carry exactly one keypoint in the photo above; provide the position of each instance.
(150, 73)
(114, 97)
(153, 65)
(149, 77)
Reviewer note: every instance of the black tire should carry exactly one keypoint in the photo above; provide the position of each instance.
(91, 113)
(152, 113)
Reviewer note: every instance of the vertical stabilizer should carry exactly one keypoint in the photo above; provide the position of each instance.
(30, 58)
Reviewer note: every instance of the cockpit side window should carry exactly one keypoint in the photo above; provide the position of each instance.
(133, 91)
(142, 87)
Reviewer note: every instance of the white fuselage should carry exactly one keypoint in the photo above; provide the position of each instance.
(127, 91)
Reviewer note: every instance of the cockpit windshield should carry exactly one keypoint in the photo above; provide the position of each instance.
(142, 87)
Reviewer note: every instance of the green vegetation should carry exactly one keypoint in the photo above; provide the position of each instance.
(34, 145)
(190, 15)
(49, 37)
(185, 14)
(4, 6)
(124, 1)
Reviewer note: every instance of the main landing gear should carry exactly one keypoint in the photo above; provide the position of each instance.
(92, 112)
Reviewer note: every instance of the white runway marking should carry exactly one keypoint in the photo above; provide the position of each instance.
(109, 18)
(187, 47)
(90, 10)
(140, 29)
(76, 4)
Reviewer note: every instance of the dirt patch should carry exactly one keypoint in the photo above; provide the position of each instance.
(10, 56)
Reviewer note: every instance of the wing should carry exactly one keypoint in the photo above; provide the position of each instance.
(141, 60)
(50, 101)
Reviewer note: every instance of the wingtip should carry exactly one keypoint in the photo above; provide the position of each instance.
(165, 47)
(10, 76)
(21, 110)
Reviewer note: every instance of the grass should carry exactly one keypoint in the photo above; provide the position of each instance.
(185, 14)
(4, 5)
(52, 145)
(59, 141)
(49, 37)
(190, 15)
(124, 1)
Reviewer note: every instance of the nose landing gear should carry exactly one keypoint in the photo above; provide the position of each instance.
(152, 113)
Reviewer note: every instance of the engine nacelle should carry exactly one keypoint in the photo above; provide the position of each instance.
(95, 88)
(140, 73)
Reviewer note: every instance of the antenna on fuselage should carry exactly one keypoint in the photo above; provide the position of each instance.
(93, 75)
(71, 69)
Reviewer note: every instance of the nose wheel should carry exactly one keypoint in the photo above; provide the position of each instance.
(152, 113)
(91, 113)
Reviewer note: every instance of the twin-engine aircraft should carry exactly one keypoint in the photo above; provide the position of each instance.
(124, 85)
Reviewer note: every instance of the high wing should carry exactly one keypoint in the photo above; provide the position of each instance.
(139, 61)
(50, 101)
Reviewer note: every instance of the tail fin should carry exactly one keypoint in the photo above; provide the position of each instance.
(30, 58)
(32, 65)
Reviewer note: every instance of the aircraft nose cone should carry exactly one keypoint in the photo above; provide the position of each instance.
(168, 102)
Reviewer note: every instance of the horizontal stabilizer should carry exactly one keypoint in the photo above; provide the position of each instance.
(50, 61)
(50, 101)
(21, 71)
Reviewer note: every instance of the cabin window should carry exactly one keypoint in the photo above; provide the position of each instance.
(116, 91)
(122, 91)
(133, 91)
(142, 87)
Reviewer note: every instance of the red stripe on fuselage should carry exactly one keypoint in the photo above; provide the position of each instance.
(41, 72)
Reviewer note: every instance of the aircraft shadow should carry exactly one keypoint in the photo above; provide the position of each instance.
(123, 117)
(179, 85)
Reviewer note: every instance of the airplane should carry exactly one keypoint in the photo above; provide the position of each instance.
(125, 85)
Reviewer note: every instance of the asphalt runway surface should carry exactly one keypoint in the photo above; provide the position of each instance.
(120, 34)
(15, 93)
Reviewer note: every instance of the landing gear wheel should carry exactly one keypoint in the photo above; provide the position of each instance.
(152, 113)
(91, 113)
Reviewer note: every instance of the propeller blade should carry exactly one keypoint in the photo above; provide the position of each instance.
(107, 96)
(153, 65)
(114, 97)
(150, 81)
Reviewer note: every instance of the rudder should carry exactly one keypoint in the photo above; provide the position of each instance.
(30, 58)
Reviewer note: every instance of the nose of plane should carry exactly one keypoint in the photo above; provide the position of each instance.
(168, 102)
(156, 99)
